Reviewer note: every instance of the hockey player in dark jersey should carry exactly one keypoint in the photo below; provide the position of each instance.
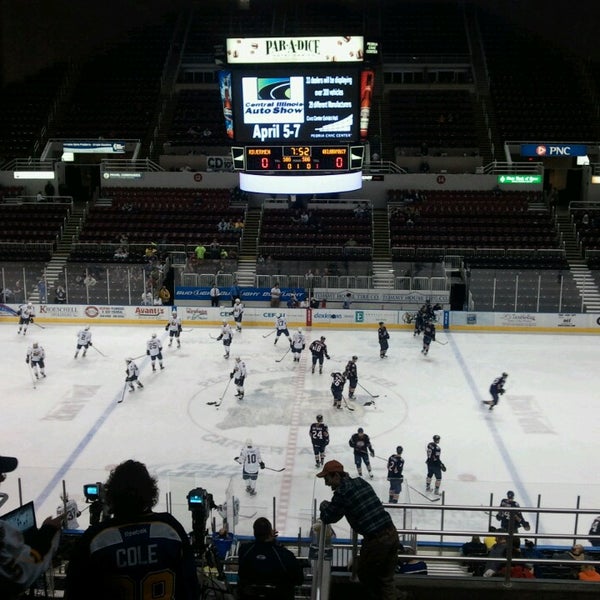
(383, 337)
(337, 388)
(351, 374)
(505, 516)
(319, 438)
(428, 337)
(395, 466)
(419, 322)
(318, 350)
(496, 390)
(361, 444)
(137, 553)
(435, 466)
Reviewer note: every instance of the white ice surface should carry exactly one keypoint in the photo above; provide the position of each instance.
(541, 440)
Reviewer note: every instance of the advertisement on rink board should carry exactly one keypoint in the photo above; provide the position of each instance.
(319, 318)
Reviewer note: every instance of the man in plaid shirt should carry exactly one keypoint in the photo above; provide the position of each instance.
(356, 500)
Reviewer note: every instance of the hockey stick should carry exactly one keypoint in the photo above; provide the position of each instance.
(368, 392)
(370, 403)
(247, 516)
(30, 369)
(123, 394)
(424, 496)
(212, 338)
(217, 403)
(38, 325)
(14, 312)
(99, 352)
(136, 357)
(270, 333)
(276, 470)
(350, 408)
(442, 343)
(286, 353)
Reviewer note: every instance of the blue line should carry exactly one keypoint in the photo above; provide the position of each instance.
(504, 453)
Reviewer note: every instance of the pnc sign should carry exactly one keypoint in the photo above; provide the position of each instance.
(545, 150)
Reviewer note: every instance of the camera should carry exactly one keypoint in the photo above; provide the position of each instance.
(93, 491)
(199, 499)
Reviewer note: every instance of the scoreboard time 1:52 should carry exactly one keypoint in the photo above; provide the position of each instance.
(297, 158)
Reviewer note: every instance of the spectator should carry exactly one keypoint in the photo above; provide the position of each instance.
(266, 568)
(595, 530)
(347, 300)
(588, 573)
(22, 564)
(165, 295)
(222, 225)
(474, 548)
(356, 500)
(49, 189)
(89, 280)
(314, 303)
(576, 553)
(121, 253)
(223, 254)
(490, 540)
(134, 546)
(41, 286)
(147, 299)
(517, 570)
(275, 296)
(214, 250)
(200, 251)
(497, 551)
(411, 565)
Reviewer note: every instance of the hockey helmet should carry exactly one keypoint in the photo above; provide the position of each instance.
(319, 418)
(436, 438)
(128, 360)
(299, 329)
(224, 321)
(510, 494)
(30, 305)
(153, 336)
(323, 338)
(174, 313)
(399, 449)
(355, 357)
(87, 328)
(505, 375)
(249, 443)
(237, 301)
(35, 344)
(381, 322)
(279, 315)
(361, 430)
(237, 359)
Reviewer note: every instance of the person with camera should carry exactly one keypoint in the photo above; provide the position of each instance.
(21, 564)
(267, 570)
(134, 550)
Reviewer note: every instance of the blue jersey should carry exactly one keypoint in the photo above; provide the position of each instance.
(395, 466)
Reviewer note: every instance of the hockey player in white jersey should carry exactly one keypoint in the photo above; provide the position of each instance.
(298, 343)
(26, 314)
(154, 351)
(251, 461)
(132, 373)
(238, 314)
(239, 376)
(281, 327)
(84, 340)
(35, 359)
(69, 508)
(226, 335)
(174, 329)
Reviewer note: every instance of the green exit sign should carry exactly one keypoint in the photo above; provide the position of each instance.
(519, 179)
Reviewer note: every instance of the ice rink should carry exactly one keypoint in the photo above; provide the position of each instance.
(541, 440)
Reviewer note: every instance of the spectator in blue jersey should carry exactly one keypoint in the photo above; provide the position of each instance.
(356, 500)
(267, 570)
(118, 557)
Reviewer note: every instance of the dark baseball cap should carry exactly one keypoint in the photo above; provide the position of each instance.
(8, 464)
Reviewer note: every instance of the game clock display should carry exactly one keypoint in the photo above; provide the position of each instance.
(296, 158)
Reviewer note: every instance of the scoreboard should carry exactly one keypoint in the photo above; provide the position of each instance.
(297, 107)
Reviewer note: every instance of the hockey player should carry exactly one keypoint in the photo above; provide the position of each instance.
(505, 516)
(26, 315)
(132, 373)
(281, 327)
(35, 358)
(361, 444)
(251, 461)
(428, 337)
(337, 388)
(154, 351)
(419, 322)
(319, 438)
(239, 376)
(238, 314)
(496, 390)
(174, 329)
(351, 374)
(297, 343)
(435, 466)
(383, 336)
(69, 508)
(395, 466)
(226, 335)
(84, 340)
(318, 350)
